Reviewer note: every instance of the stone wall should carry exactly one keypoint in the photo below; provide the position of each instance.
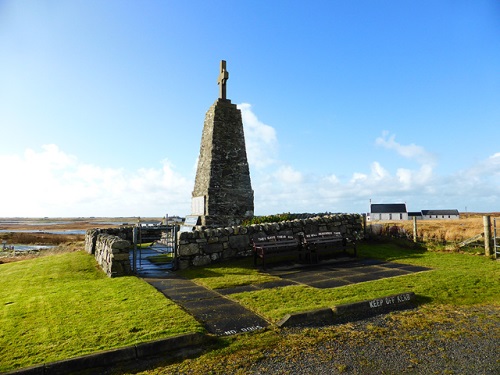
(202, 247)
(111, 249)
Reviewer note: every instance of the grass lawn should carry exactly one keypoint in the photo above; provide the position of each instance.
(457, 279)
(459, 289)
(61, 306)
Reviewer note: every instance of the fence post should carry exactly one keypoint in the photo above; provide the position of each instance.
(134, 254)
(415, 229)
(487, 235)
(364, 226)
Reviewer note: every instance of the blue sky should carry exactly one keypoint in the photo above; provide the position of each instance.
(102, 103)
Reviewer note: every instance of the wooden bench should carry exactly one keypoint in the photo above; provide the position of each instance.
(269, 246)
(326, 242)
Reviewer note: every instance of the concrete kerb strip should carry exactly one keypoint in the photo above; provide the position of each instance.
(350, 312)
(170, 347)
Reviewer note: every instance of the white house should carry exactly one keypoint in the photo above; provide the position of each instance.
(387, 211)
(440, 214)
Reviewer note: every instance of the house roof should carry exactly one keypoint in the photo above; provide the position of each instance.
(388, 208)
(440, 212)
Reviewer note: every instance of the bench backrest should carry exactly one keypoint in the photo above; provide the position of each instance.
(277, 238)
(324, 234)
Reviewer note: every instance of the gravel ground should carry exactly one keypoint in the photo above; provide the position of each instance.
(461, 341)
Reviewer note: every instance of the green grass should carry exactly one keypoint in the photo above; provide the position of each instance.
(61, 306)
(161, 258)
(455, 293)
(458, 279)
(228, 274)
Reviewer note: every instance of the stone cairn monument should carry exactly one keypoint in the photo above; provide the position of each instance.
(222, 194)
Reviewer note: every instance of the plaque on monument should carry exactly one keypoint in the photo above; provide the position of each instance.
(190, 223)
(192, 220)
(198, 205)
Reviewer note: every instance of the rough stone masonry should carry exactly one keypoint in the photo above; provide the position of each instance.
(223, 194)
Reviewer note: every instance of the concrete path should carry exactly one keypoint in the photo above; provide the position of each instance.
(222, 316)
(330, 274)
(218, 314)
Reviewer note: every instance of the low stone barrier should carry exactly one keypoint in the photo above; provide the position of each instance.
(102, 362)
(350, 312)
(110, 251)
(202, 247)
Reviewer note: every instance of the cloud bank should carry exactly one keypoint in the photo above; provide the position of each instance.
(52, 182)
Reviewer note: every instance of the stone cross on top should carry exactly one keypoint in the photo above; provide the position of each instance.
(223, 77)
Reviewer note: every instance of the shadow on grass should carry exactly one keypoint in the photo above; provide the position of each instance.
(390, 249)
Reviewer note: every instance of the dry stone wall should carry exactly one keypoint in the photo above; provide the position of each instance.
(202, 247)
(111, 249)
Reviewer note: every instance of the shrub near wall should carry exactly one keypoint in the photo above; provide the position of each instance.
(202, 247)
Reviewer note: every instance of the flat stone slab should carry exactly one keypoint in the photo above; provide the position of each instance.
(255, 287)
(336, 275)
(222, 316)
(332, 283)
(218, 314)
(238, 289)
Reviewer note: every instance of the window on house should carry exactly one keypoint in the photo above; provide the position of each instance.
(400, 216)
(390, 216)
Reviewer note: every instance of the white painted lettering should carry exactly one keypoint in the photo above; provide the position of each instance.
(376, 303)
(403, 297)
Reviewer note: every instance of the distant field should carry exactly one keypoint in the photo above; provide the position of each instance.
(442, 230)
(67, 223)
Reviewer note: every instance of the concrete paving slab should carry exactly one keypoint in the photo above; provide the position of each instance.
(415, 268)
(222, 316)
(218, 314)
(275, 284)
(255, 287)
(332, 283)
(392, 265)
(169, 282)
(369, 269)
(362, 278)
(179, 295)
(390, 273)
(235, 325)
(370, 261)
(306, 279)
(208, 304)
(336, 273)
(237, 289)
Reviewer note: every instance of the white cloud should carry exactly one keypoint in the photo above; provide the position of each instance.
(51, 182)
(287, 175)
(260, 139)
(410, 151)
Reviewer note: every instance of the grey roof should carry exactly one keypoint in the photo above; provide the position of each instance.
(440, 212)
(388, 208)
